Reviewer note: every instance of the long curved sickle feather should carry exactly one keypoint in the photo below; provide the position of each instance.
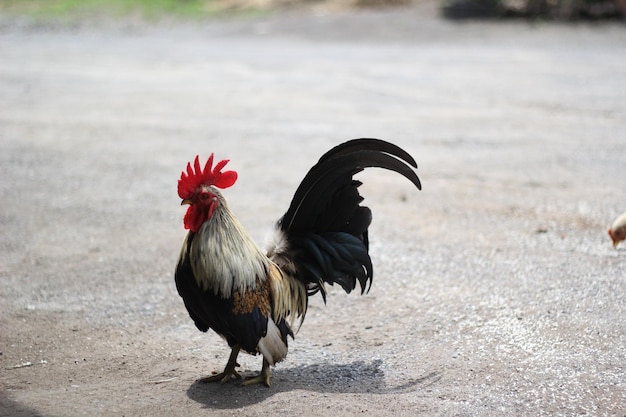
(371, 144)
(343, 161)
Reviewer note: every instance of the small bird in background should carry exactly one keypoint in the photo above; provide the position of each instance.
(253, 298)
(617, 231)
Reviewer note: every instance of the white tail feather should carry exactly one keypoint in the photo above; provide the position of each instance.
(271, 346)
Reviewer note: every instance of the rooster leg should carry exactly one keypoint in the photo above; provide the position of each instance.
(229, 371)
(263, 377)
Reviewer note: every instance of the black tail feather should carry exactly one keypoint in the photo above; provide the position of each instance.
(332, 258)
(325, 225)
(364, 144)
(320, 184)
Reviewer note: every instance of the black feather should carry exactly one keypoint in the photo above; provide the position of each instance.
(326, 226)
(372, 145)
(330, 174)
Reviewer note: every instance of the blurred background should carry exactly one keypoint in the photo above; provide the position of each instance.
(497, 289)
(568, 10)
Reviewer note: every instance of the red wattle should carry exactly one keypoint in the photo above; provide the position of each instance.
(194, 218)
(196, 215)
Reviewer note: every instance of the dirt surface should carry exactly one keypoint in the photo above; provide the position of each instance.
(496, 289)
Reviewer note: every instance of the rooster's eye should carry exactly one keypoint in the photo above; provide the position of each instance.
(203, 197)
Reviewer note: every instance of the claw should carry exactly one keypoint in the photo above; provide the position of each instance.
(229, 371)
(223, 377)
(263, 377)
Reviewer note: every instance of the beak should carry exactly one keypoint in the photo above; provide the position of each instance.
(185, 201)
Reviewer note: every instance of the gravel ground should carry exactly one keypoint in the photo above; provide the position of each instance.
(496, 291)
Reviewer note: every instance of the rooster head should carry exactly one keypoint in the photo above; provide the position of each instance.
(196, 188)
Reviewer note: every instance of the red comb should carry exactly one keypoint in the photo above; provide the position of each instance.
(194, 177)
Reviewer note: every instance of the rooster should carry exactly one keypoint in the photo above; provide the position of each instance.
(254, 299)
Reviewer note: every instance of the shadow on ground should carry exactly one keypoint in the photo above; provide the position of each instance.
(353, 378)
(9, 407)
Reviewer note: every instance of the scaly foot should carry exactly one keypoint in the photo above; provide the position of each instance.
(229, 371)
(263, 377)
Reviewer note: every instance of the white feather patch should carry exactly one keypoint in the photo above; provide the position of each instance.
(271, 346)
(276, 243)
